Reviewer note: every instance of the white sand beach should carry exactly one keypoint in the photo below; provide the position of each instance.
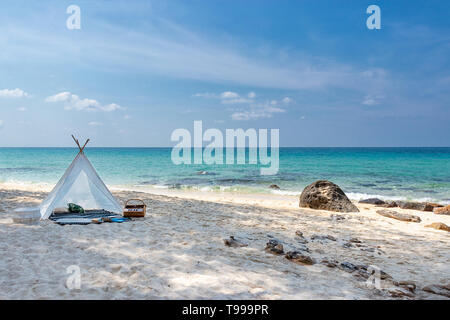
(178, 252)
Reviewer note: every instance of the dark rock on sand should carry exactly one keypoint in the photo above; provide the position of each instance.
(363, 271)
(300, 237)
(366, 271)
(274, 247)
(388, 204)
(323, 237)
(442, 290)
(430, 206)
(298, 233)
(355, 240)
(337, 217)
(399, 216)
(443, 210)
(300, 258)
(325, 195)
(330, 263)
(420, 206)
(439, 226)
(348, 267)
(372, 201)
(408, 285)
(399, 292)
(234, 243)
(274, 186)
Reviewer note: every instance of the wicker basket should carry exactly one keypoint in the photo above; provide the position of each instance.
(135, 210)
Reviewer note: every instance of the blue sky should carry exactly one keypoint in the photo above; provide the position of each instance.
(137, 70)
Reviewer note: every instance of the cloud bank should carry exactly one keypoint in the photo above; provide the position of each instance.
(73, 102)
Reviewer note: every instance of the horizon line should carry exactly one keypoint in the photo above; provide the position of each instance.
(168, 147)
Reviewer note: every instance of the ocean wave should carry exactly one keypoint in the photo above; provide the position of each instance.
(286, 192)
(360, 196)
(22, 169)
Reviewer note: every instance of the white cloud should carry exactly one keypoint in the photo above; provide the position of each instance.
(127, 117)
(287, 100)
(258, 112)
(13, 93)
(73, 102)
(111, 107)
(95, 123)
(205, 95)
(237, 100)
(229, 95)
(59, 97)
(371, 100)
(22, 109)
(1, 124)
(274, 102)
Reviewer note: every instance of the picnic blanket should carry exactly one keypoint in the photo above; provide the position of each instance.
(86, 217)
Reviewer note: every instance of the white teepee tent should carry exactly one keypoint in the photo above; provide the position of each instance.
(80, 184)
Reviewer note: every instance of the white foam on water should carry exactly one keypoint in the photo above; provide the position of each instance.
(361, 196)
(286, 192)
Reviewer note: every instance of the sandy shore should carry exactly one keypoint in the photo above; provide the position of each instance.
(177, 251)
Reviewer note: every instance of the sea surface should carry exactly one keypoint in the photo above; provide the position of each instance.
(391, 173)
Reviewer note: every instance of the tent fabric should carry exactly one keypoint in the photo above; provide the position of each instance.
(82, 185)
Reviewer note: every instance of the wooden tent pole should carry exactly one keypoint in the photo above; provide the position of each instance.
(85, 145)
(78, 144)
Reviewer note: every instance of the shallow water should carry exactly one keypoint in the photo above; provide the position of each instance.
(395, 173)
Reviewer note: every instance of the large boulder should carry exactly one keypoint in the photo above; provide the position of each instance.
(325, 195)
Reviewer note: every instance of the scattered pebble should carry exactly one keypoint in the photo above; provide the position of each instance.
(274, 247)
(348, 267)
(300, 258)
(442, 290)
(337, 217)
(232, 242)
(323, 237)
(330, 263)
(300, 237)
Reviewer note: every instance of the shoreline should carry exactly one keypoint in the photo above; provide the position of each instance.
(216, 194)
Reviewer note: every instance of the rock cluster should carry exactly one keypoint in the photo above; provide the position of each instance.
(419, 206)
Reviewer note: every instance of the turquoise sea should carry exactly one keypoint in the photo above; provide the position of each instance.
(394, 173)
